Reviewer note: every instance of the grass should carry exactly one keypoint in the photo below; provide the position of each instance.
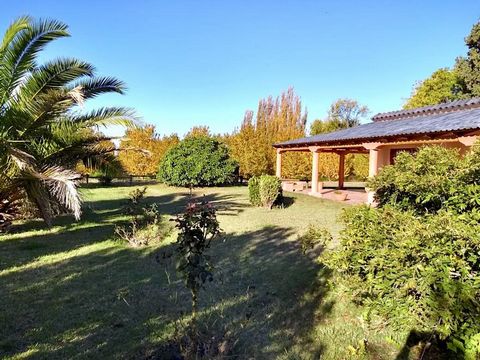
(73, 291)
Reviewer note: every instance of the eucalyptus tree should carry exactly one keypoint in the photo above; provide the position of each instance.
(45, 130)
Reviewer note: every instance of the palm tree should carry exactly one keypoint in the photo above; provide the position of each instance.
(44, 131)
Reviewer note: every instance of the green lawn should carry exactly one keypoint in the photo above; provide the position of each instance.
(73, 291)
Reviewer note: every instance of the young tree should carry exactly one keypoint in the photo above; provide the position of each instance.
(197, 161)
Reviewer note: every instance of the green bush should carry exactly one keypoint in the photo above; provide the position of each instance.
(420, 272)
(197, 161)
(265, 190)
(312, 237)
(430, 180)
(270, 188)
(416, 258)
(254, 191)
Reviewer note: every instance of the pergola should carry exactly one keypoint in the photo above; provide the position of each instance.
(453, 125)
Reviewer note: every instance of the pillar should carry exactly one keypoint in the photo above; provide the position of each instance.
(372, 167)
(341, 170)
(314, 172)
(373, 163)
(278, 169)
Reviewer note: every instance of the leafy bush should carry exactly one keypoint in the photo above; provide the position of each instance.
(416, 258)
(197, 161)
(145, 224)
(254, 191)
(270, 188)
(107, 171)
(430, 180)
(265, 190)
(420, 272)
(314, 236)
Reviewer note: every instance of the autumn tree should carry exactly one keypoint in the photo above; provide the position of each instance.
(196, 131)
(142, 149)
(276, 120)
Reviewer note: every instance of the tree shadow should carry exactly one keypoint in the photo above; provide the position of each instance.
(115, 301)
(423, 345)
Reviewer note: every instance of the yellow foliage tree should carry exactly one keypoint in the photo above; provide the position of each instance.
(142, 149)
(276, 120)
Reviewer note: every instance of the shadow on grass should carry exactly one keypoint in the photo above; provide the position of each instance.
(92, 298)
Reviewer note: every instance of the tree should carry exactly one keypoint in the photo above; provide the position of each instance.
(276, 120)
(142, 149)
(319, 126)
(443, 85)
(43, 133)
(347, 113)
(197, 161)
(198, 131)
(468, 68)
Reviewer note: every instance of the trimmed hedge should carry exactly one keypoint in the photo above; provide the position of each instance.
(265, 190)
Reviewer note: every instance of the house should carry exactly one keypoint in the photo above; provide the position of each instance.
(454, 125)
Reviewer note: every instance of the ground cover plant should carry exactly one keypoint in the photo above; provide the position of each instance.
(75, 291)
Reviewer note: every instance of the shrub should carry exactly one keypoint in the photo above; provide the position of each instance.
(416, 258)
(430, 180)
(107, 171)
(197, 161)
(314, 236)
(270, 189)
(145, 224)
(254, 191)
(420, 272)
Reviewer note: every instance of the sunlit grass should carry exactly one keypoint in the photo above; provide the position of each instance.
(73, 291)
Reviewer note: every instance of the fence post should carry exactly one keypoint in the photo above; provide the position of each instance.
(131, 179)
(86, 178)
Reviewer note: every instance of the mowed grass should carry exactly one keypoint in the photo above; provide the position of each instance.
(74, 291)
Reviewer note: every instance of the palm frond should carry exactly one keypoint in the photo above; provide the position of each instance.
(100, 85)
(20, 24)
(53, 75)
(106, 116)
(20, 54)
(62, 184)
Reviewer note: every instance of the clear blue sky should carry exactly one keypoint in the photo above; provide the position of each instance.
(205, 62)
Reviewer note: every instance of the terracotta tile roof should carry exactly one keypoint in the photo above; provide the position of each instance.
(463, 115)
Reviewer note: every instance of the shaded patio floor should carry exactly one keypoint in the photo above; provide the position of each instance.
(354, 191)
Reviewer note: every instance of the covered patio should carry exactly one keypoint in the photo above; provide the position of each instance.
(453, 125)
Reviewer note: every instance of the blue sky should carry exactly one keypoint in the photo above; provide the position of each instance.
(205, 62)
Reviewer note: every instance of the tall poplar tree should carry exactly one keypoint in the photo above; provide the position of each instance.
(277, 119)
